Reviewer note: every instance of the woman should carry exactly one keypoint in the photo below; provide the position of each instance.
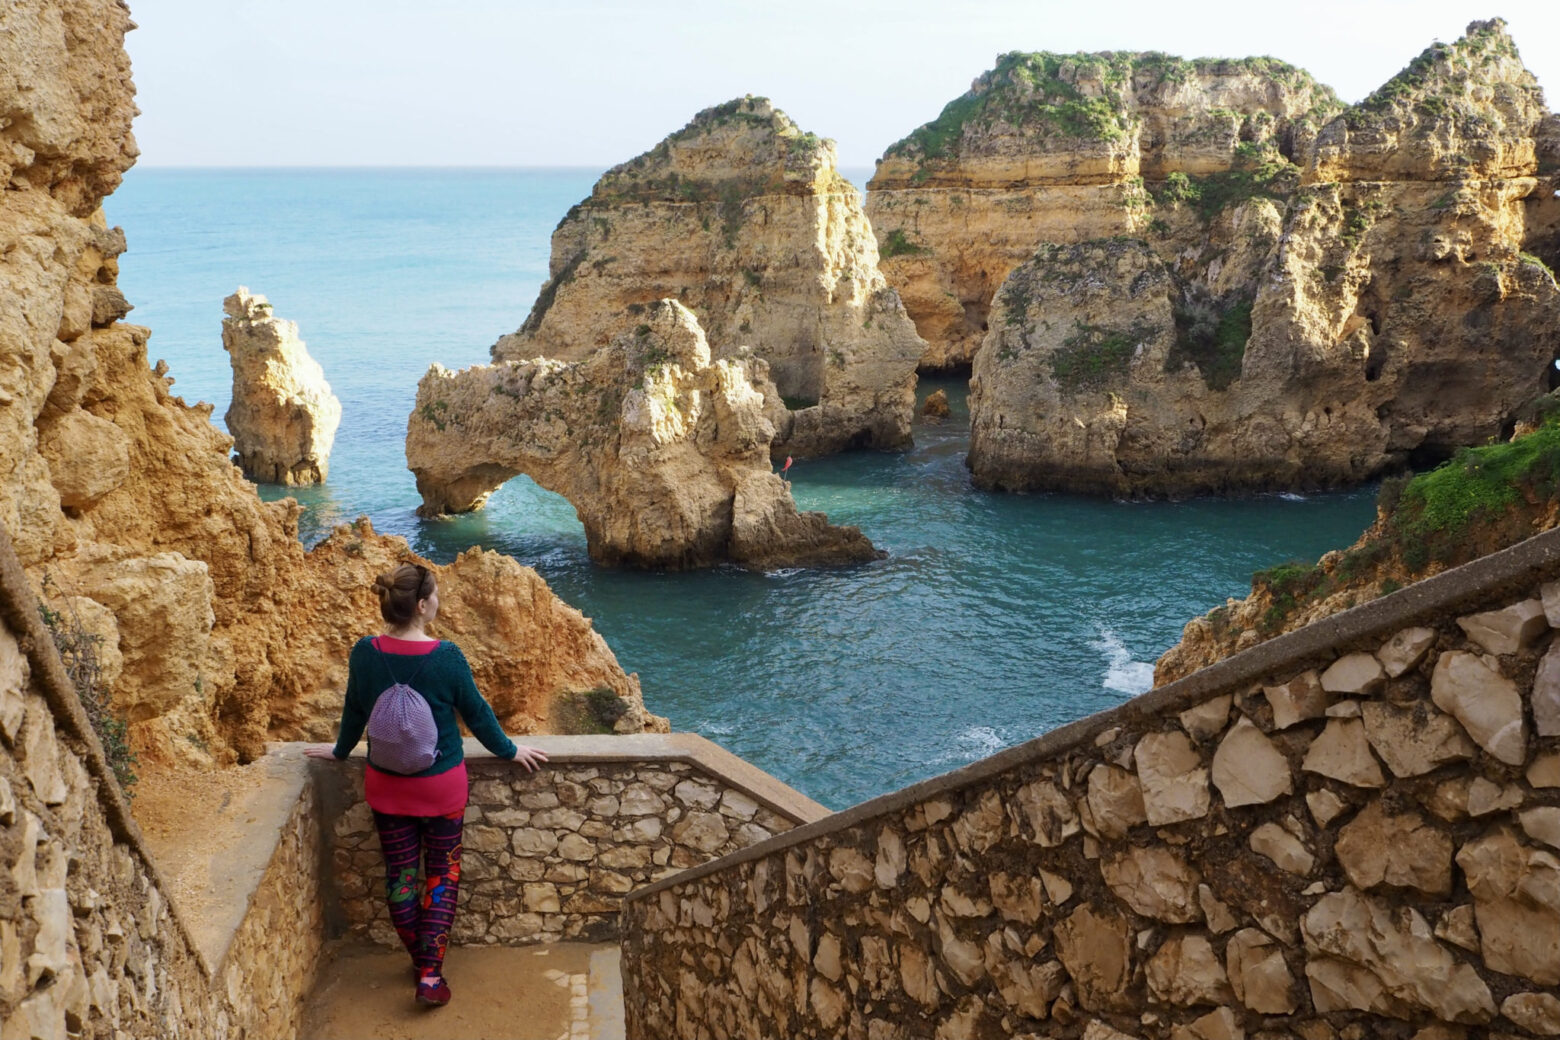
(419, 815)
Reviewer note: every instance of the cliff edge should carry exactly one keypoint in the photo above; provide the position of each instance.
(214, 629)
(1329, 305)
(743, 218)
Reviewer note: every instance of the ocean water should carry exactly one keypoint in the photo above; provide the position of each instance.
(994, 618)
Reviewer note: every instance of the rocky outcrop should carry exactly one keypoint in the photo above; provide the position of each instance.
(662, 451)
(1486, 499)
(1058, 148)
(217, 629)
(743, 218)
(283, 417)
(1331, 302)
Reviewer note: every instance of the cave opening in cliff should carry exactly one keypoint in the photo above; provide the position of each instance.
(960, 370)
(1552, 375)
(1286, 143)
(1375, 361)
(1429, 454)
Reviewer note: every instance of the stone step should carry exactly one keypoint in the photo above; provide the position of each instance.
(564, 991)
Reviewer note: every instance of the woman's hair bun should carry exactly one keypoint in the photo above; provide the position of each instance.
(401, 589)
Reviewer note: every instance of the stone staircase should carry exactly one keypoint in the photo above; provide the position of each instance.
(559, 991)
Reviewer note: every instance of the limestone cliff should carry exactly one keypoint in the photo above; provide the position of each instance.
(663, 452)
(1291, 324)
(1484, 500)
(283, 417)
(1057, 148)
(743, 218)
(218, 629)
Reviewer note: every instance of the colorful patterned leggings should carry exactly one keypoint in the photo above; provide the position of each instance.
(422, 911)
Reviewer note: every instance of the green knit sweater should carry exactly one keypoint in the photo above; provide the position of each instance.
(443, 678)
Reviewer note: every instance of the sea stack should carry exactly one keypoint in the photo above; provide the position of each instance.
(743, 218)
(283, 417)
(1058, 148)
(1255, 294)
(662, 451)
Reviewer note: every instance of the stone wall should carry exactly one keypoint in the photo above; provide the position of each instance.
(90, 945)
(1348, 832)
(549, 855)
(269, 968)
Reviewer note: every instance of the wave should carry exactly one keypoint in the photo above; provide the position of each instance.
(971, 744)
(1122, 673)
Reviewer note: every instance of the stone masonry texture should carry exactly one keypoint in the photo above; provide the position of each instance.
(1203, 863)
(548, 856)
(90, 945)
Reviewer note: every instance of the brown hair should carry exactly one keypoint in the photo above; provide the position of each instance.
(400, 590)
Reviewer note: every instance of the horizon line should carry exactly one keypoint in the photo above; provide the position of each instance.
(386, 166)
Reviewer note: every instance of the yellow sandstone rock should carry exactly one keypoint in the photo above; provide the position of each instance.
(744, 219)
(1202, 295)
(218, 630)
(283, 417)
(663, 452)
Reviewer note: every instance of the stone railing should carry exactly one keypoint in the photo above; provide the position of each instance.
(1348, 832)
(549, 855)
(90, 943)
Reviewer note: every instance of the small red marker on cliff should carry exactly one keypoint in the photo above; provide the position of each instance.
(786, 468)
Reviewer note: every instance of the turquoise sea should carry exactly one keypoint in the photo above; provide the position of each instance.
(993, 619)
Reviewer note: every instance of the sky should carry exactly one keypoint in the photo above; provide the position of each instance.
(595, 82)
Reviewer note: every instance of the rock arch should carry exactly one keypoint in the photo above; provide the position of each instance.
(663, 452)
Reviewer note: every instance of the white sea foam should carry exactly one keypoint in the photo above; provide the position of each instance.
(1291, 496)
(971, 743)
(1122, 674)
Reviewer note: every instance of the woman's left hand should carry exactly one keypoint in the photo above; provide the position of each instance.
(320, 751)
(529, 757)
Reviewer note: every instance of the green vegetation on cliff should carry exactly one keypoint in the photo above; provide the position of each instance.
(1082, 96)
(896, 244)
(1436, 83)
(1258, 171)
(1095, 357)
(1211, 338)
(780, 157)
(1035, 91)
(1478, 502)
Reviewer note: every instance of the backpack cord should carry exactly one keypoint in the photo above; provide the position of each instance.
(420, 665)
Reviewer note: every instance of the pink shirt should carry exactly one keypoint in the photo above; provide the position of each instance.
(438, 795)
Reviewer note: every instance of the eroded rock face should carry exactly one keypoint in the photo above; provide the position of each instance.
(663, 452)
(743, 218)
(218, 631)
(283, 417)
(1271, 310)
(1061, 327)
(1056, 148)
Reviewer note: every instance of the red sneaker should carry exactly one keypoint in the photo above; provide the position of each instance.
(433, 994)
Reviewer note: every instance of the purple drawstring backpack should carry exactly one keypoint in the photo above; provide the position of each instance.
(402, 736)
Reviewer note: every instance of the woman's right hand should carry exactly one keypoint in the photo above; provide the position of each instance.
(529, 757)
(320, 751)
